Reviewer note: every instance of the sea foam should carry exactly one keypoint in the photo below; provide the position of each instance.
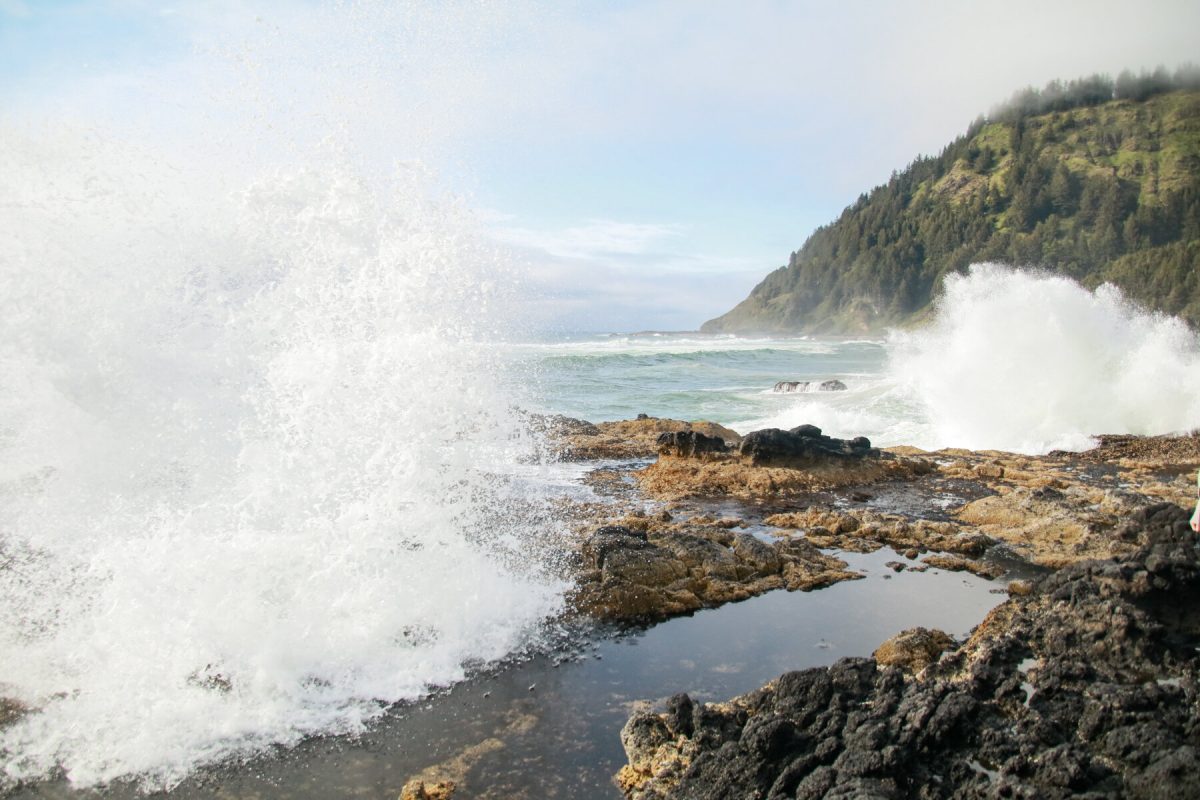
(1013, 359)
(1028, 361)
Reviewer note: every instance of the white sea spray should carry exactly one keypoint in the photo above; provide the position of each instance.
(255, 447)
(1027, 361)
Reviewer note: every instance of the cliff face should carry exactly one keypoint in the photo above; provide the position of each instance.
(1100, 192)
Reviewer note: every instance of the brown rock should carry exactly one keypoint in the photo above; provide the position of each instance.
(626, 576)
(637, 438)
(11, 710)
(956, 563)
(673, 478)
(833, 521)
(989, 471)
(424, 790)
(1047, 526)
(1021, 588)
(914, 649)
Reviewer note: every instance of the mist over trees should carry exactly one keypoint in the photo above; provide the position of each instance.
(1094, 90)
(1097, 179)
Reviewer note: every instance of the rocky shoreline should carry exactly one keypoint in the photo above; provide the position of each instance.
(1084, 686)
(1083, 682)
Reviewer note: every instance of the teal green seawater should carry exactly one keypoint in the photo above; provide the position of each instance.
(1013, 360)
(726, 379)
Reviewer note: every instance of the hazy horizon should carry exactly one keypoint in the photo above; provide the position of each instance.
(644, 165)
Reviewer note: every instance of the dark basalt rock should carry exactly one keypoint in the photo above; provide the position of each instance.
(561, 426)
(690, 444)
(804, 386)
(800, 445)
(1087, 686)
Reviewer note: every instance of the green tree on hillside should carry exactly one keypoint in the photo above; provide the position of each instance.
(1096, 179)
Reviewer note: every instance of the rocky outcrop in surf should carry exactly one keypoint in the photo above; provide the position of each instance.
(949, 510)
(833, 385)
(802, 446)
(1082, 684)
(766, 463)
(578, 440)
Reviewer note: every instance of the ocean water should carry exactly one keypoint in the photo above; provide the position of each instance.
(1016, 360)
(263, 471)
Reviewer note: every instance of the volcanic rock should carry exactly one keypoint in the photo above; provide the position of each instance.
(627, 439)
(800, 446)
(690, 444)
(1087, 686)
(803, 386)
(424, 790)
(914, 649)
(632, 575)
(767, 464)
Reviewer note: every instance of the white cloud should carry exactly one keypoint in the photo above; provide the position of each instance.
(618, 275)
(798, 105)
(596, 239)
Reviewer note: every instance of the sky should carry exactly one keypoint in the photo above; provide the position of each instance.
(646, 163)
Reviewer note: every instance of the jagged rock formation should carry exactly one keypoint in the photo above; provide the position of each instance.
(833, 385)
(578, 440)
(766, 463)
(630, 574)
(1083, 684)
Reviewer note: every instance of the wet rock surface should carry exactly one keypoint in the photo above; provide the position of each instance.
(950, 509)
(659, 569)
(801, 446)
(832, 385)
(767, 463)
(913, 650)
(578, 440)
(11, 711)
(1083, 685)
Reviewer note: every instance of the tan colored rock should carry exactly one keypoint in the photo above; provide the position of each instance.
(956, 563)
(832, 521)
(866, 531)
(440, 781)
(1051, 510)
(633, 438)
(914, 649)
(672, 478)
(1046, 526)
(989, 470)
(657, 757)
(420, 790)
(1021, 588)
(628, 575)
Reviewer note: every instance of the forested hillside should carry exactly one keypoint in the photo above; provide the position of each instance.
(1095, 179)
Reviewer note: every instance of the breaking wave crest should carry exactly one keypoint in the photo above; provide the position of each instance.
(251, 458)
(1029, 362)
